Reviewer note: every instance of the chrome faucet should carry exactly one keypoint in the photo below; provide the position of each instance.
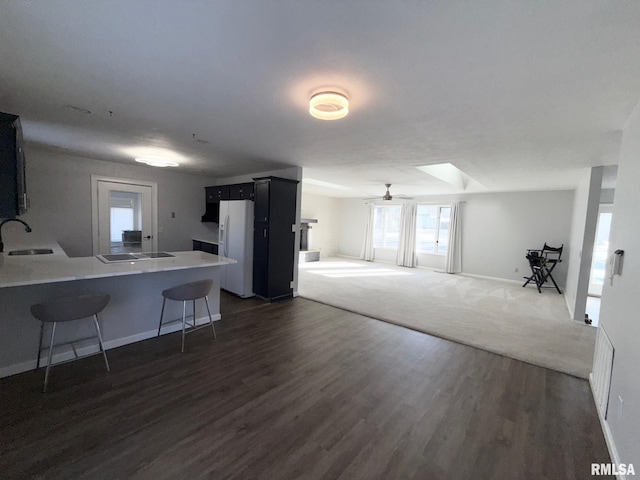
(27, 229)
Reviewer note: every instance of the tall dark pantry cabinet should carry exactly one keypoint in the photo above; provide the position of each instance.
(274, 237)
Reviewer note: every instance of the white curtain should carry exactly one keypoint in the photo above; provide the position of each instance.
(407, 244)
(454, 252)
(367, 246)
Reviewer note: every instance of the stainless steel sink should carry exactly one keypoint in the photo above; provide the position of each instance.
(31, 251)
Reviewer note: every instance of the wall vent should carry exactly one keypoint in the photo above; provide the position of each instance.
(602, 368)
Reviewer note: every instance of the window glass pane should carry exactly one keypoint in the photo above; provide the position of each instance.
(443, 234)
(378, 227)
(426, 223)
(121, 219)
(386, 226)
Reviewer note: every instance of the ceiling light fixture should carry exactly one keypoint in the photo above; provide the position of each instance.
(157, 162)
(328, 105)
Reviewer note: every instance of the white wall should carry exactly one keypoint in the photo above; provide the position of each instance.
(583, 234)
(324, 234)
(621, 301)
(352, 224)
(59, 189)
(497, 229)
(607, 195)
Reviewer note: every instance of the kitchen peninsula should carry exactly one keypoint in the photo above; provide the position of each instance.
(131, 315)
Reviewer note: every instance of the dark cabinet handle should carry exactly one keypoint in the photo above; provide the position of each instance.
(148, 237)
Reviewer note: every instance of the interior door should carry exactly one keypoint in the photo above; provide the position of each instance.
(125, 217)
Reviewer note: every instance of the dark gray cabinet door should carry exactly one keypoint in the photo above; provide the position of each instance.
(274, 238)
(13, 188)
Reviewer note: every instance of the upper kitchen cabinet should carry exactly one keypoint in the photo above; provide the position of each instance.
(274, 237)
(241, 191)
(237, 191)
(221, 192)
(13, 188)
(217, 193)
(212, 194)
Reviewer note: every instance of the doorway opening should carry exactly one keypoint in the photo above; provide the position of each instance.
(124, 216)
(599, 263)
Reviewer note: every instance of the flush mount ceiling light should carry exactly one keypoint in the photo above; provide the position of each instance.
(157, 161)
(328, 105)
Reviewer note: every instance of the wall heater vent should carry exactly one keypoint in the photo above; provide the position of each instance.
(602, 368)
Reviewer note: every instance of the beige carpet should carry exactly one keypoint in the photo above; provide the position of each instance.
(493, 315)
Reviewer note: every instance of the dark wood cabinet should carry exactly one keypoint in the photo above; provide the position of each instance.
(274, 237)
(222, 191)
(212, 205)
(211, 194)
(217, 193)
(241, 191)
(205, 247)
(13, 188)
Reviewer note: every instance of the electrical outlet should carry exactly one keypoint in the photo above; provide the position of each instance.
(516, 270)
(173, 214)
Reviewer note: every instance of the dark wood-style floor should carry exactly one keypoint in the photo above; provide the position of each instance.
(299, 390)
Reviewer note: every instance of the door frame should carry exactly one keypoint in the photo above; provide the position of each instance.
(95, 221)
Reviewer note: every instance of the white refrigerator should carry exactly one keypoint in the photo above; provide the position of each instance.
(236, 242)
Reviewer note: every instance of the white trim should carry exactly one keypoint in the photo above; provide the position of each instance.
(486, 277)
(94, 205)
(571, 311)
(93, 348)
(608, 436)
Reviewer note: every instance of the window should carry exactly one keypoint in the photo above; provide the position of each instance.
(432, 229)
(121, 219)
(386, 226)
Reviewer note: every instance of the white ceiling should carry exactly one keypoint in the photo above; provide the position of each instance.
(519, 95)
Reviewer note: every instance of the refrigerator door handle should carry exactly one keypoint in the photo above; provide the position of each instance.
(226, 244)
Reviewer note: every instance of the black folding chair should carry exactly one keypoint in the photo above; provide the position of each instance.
(542, 262)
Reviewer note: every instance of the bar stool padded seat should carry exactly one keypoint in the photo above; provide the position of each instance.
(188, 292)
(66, 309)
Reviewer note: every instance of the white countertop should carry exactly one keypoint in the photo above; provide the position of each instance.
(20, 270)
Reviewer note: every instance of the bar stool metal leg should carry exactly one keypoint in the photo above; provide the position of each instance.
(184, 314)
(46, 374)
(104, 354)
(40, 344)
(206, 301)
(164, 300)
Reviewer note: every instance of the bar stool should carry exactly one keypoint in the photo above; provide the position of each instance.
(66, 309)
(188, 292)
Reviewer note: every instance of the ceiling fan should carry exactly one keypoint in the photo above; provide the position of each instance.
(387, 197)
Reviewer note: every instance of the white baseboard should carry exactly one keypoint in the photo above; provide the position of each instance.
(608, 437)
(486, 277)
(348, 256)
(571, 311)
(92, 348)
